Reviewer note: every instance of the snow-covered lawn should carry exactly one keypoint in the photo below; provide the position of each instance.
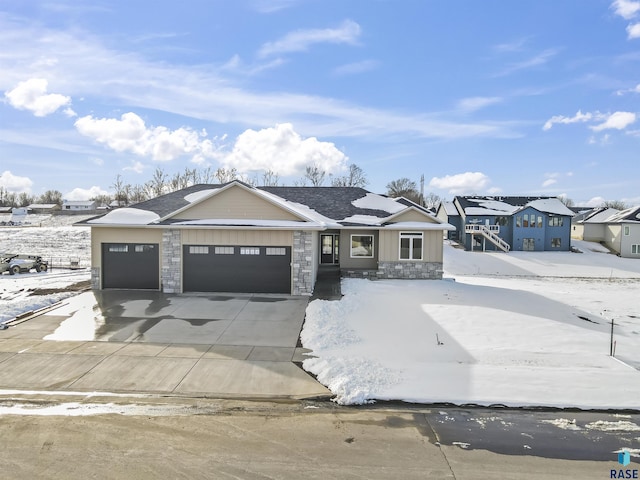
(516, 329)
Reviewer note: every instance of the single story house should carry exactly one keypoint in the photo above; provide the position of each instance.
(238, 238)
(511, 223)
(79, 206)
(617, 229)
(43, 208)
(590, 225)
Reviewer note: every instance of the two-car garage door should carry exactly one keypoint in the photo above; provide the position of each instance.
(205, 268)
(223, 268)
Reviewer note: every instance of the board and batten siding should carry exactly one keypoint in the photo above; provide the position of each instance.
(237, 237)
(413, 216)
(236, 202)
(100, 235)
(390, 245)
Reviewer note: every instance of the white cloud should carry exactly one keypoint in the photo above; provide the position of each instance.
(14, 183)
(472, 104)
(633, 31)
(462, 183)
(301, 40)
(549, 181)
(627, 9)
(282, 150)
(535, 61)
(578, 117)
(356, 68)
(32, 95)
(137, 167)
(593, 202)
(82, 194)
(130, 134)
(617, 121)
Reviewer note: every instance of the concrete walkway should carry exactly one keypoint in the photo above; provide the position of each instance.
(240, 346)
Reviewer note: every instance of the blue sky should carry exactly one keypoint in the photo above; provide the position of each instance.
(495, 97)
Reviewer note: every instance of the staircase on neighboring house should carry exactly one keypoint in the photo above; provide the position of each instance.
(490, 232)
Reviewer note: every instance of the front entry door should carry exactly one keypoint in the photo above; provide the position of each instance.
(329, 248)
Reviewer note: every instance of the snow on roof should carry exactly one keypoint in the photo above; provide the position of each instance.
(127, 216)
(450, 209)
(43, 205)
(551, 205)
(600, 216)
(194, 197)
(419, 226)
(628, 215)
(363, 219)
(245, 222)
(374, 201)
(489, 207)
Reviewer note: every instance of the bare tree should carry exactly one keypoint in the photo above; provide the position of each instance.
(566, 201)
(158, 183)
(617, 204)
(355, 177)
(24, 199)
(51, 197)
(315, 175)
(403, 187)
(270, 179)
(432, 201)
(119, 193)
(226, 175)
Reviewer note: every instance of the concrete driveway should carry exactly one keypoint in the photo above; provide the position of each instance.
(241, 346)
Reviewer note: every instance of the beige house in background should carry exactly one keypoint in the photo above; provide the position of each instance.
(238, 238)
(618, 230)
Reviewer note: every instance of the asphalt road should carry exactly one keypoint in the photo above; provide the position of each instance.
(154, 437)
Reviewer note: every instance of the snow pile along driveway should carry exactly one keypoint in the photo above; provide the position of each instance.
(523, 342)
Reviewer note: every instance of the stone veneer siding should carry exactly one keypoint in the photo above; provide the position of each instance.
(95, 278)
(302, 263)
(400, 270)
(171, 261)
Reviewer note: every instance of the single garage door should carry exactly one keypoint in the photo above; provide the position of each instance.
(130, 265)
(220, 268)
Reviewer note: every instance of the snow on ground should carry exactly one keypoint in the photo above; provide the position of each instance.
(520, 329)
(53, 238)
(16, 290)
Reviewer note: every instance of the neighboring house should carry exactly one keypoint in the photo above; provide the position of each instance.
(590, 225)
(447, 212)
(79, 206)
(513, 223)
(43, 208)
(238, 238)
(5, 209)
(623, 232)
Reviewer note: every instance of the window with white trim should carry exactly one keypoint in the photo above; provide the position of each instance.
(119, 248)
(411, 245)
(627, 230)
(362, 246)
(635, 249)
(198, 250)
(249, 250)
(556, 221)
(276, 251)
(223, 250)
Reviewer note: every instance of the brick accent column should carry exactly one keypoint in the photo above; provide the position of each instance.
(302, 263)
(171, 279)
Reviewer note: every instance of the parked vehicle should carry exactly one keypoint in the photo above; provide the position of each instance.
(20, 263)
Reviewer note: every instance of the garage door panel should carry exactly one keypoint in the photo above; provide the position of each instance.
(130, 265)
(237, 269)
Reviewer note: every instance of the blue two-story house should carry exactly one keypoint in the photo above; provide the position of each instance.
(513, 223)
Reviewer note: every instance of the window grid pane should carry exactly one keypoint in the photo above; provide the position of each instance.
(223, 250)
(119, 248)
(249, 250)
(276, 251)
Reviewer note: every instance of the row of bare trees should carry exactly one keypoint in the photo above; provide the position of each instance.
(23, 199)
